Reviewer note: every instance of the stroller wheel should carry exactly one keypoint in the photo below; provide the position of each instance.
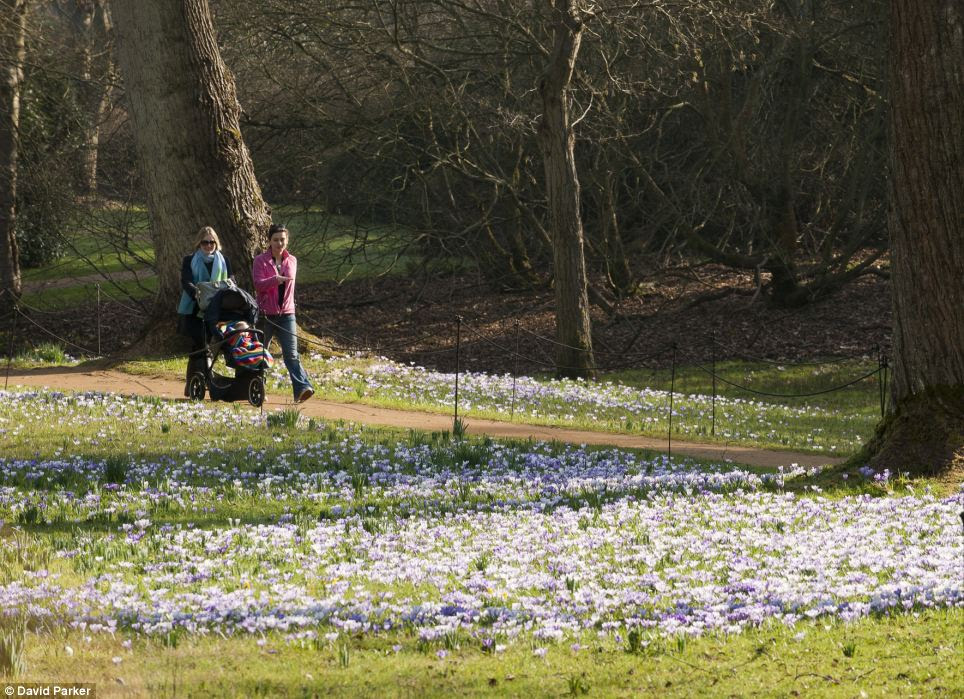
(256, 391)
(196, 386)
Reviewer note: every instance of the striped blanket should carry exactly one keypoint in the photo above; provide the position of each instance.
(246, 350)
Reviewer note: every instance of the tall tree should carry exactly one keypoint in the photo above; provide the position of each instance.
(92, 34)
(925, 432)
(557, 138)
(13, 28)
(196, 168)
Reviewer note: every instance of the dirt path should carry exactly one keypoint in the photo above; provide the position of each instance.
(85, 379)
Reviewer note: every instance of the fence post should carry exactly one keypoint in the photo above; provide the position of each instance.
(713, 367)
(883, 388)
(458, 351)
(515, 371)
(13, 333)
(264, 375)
(880, 380)
(672, 389)
(98, 320)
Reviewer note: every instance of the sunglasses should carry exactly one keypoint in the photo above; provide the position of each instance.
(208, 242)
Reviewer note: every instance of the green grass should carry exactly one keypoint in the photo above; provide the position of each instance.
(337, 248)
(329, 248)
(907, 655)
(104, 240)
(101, 241)
(883, 655)
(835, 423)
(85, 294)
(771, 377)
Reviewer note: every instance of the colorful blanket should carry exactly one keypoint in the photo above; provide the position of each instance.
(246, 350)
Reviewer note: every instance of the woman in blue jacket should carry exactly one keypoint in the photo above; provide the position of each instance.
(205, 264)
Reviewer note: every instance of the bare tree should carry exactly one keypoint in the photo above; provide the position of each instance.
(925, 432)
(749, 133)
(557, 139)
(196, 168)
(13, 27)
(768, 155)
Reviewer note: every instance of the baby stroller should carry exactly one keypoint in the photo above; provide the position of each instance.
(229, 315)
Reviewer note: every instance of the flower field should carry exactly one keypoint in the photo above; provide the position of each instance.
(604, 405)
(139, 518)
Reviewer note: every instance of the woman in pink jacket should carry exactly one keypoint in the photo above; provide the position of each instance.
(274, 275)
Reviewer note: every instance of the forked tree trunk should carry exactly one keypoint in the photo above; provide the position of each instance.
(13, 27)
(574, 355)
(618, 272)
(185, 113)
(925, 432)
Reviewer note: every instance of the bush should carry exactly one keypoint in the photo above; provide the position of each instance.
(50, 141)
(41, 218)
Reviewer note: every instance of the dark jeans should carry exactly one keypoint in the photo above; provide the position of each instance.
(285, 327)
(193, 327)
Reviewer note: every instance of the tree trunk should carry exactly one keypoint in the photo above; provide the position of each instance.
(557, 139)
(92, 27)
(196, 168)
(521, 262)
(925, 431)
(13, 28)
(779, 196)
(618, 272)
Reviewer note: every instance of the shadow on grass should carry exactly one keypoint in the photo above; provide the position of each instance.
(853, 478)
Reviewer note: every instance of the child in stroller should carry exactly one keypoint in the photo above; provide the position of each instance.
(230, 315)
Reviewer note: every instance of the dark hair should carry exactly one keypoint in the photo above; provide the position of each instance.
(276, 228)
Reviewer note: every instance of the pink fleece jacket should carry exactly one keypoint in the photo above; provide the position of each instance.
(266, 283)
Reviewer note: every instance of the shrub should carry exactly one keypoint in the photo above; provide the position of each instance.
(49, 147)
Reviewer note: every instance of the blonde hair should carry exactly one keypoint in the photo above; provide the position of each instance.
(207, 233)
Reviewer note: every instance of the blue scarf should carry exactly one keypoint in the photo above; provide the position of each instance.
(199, 271)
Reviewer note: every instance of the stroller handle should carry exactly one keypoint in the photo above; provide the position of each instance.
(259, 334)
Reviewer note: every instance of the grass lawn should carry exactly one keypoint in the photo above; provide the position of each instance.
(84, 293)
(833, 423)
(104, 241)
(169, 548)
(337, 248)
(328, 247)
(906, 655)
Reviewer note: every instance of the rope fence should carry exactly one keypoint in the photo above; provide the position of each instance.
(834, 389)
(463, 329)
(671, 349)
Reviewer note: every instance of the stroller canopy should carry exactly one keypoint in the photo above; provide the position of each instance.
(230, 304)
